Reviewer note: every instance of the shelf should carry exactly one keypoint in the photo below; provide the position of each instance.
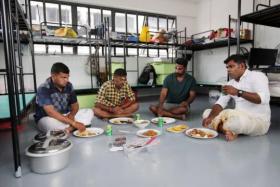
(53, 40)
(216, 44)
(268, 17)
(144, 45)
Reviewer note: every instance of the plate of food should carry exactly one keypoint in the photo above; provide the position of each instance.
(201, 133)
(178, 128)
(148, 133)
(89, 132)
(121, 121)
(166, 120)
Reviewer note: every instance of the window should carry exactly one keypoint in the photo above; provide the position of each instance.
(67, 50)
(131, 24)
(107, 14)
(54, 49)
(153, 53)
(90, 16)
(162, 23)
(152, 22)
(82, 15)
(132, 52)
(141, 22)
(52, 13)
(82, 20)
(66, 14)
(83, 50)
(171, 24)
(95, 17)
(119, 51)
(37, 13)
(120, 22)
(163, 53)
(39, 49)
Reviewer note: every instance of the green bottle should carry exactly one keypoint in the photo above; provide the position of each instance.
(109, 131)
(160, 124)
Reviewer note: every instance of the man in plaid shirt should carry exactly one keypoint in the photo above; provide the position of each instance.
(115, 97)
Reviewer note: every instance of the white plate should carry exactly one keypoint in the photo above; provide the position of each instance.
(97, 131)
(167, 120)
(121, 121)
(214, 133)
(140, 133)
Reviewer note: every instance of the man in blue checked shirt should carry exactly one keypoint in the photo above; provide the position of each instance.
(56, 103)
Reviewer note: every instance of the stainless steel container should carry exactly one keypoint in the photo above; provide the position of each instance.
(49, 156)
(55, 134)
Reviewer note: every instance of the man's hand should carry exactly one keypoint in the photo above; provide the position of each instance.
(184, 104)
(71, 116)
(230, 90)
(81, 127)
(207, 121)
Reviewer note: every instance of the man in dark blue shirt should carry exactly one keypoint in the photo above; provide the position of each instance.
(56, 102)
(177, 93)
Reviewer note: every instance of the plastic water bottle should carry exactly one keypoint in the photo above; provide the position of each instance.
(160, 124)
(137, 117)
(109, 130)
(109, 133)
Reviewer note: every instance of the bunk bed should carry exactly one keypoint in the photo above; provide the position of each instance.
(223, 42)
(176, 39)
(12, 21)
(269, 16)
(21, 35)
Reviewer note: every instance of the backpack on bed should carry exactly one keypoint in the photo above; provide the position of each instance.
(148, 75)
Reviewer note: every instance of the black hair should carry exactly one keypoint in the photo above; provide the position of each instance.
(120, 72)
(239, 59)
(182, 61)
(59, 67)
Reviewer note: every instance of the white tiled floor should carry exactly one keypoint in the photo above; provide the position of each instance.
(176, 161)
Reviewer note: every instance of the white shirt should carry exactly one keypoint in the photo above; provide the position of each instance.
(255, 82)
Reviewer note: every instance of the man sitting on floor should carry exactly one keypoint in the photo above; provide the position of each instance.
(178, 91)
(115, 97)
(250, 91)
(56, 103)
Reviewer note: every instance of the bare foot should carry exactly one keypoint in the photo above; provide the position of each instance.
(153, 110)
(181, 117)
(230, 136)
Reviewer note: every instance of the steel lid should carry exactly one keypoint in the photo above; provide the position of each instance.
(49, 146)
(59, 134)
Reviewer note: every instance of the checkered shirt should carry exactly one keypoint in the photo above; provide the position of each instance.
(109, 95)
(48, 94)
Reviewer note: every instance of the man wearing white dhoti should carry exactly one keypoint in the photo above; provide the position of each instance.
(250, 91)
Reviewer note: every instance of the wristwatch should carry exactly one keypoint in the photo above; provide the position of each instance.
(239, 93)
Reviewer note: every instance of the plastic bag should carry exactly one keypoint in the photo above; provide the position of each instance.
(65, 32)
(145, 35)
